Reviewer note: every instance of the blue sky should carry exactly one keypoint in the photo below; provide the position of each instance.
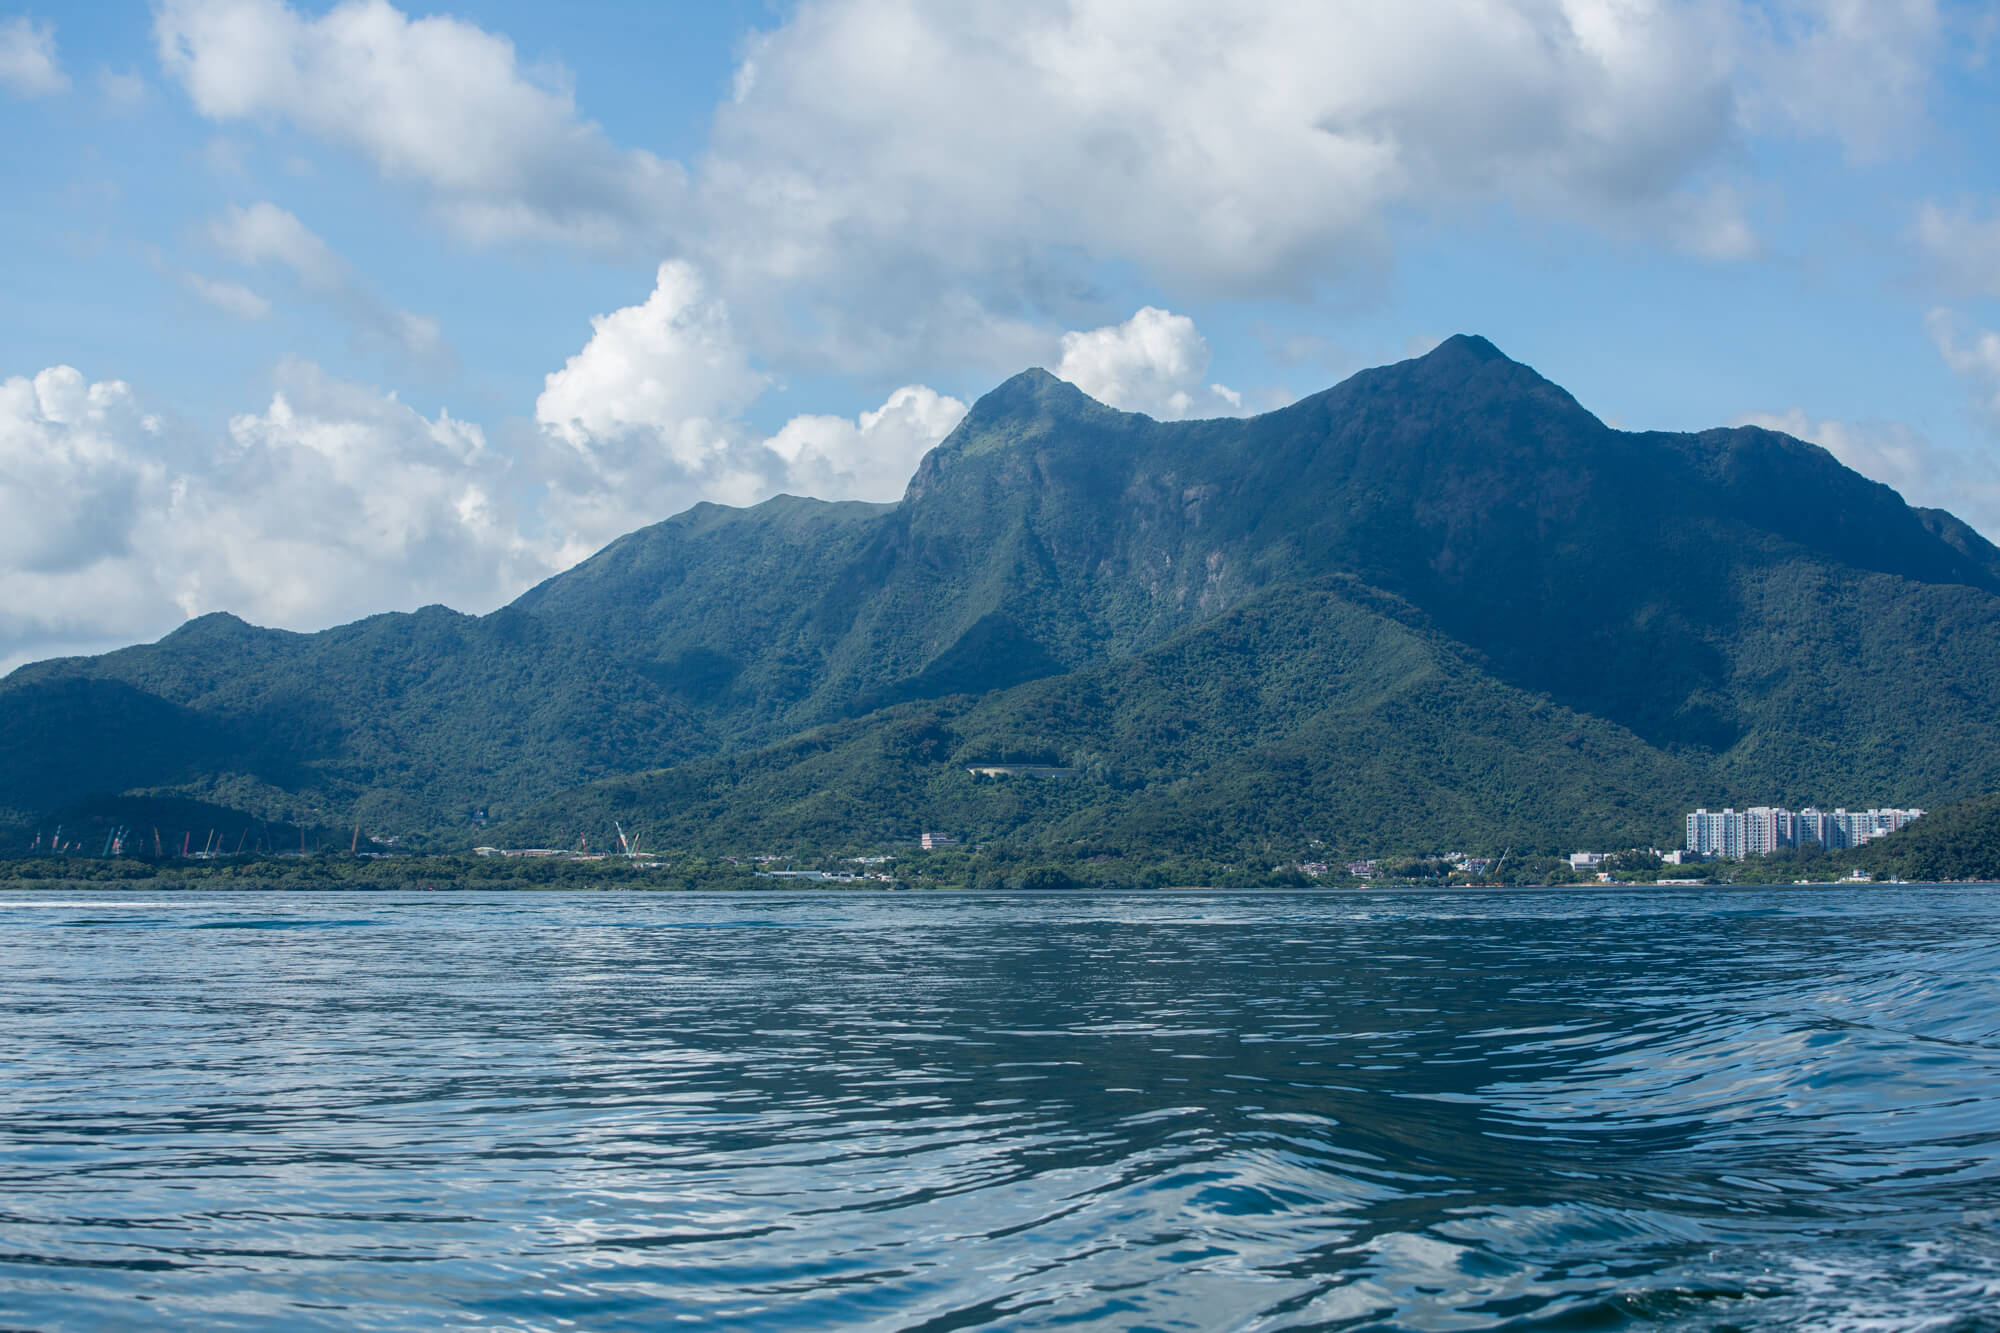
(319, 310)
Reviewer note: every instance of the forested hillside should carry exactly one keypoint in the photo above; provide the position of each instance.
(1439, 604)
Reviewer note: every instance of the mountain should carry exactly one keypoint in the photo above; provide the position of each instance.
(1324, 711)
(1439, 603)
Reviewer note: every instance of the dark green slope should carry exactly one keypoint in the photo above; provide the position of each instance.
(731, 611)
(1326, 711)
(404, 722)
(1736, 600)
(1960, 842)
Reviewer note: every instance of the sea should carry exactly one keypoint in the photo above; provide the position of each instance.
(1702, 1108)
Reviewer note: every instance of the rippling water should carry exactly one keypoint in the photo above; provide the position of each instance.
(1566, 1110)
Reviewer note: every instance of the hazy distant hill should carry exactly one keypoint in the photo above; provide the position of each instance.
(1437, 604)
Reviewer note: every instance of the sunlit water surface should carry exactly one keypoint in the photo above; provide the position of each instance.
(1574, 1110)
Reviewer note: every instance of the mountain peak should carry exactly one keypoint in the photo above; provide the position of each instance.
(1471, 370)
(1033, 392)
(1028, 406)
(1465, 347)
(213, 625)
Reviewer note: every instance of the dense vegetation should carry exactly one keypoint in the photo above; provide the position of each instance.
(1959, 842)
(1311, 722)
(1438, 607)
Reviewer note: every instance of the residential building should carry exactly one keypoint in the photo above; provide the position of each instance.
(1762, 829)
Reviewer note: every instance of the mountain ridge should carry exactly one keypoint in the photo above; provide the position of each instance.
(1696, 592)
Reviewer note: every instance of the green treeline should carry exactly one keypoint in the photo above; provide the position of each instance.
(1956, 843)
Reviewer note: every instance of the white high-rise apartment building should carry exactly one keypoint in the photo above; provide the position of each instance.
(1765, 829)
(1717, 834)
(1762, 829)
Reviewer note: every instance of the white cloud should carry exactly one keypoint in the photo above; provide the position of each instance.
(1155, 362)
(1857, 69)
(1902, 458)
(1963, 247)
(871, 457)
(265, 234)
(73, 471)
(436, 101)
(338, 501)
(898, 185)
(28, 63)
(892, 179)
(232, 298)
(672, 365)
(1248, 148)
(332, 503)
(1972, 355)
(648, 418)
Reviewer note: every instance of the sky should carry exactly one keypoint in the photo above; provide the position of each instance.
(317, 311)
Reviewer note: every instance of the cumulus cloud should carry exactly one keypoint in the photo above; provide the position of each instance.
(435, 101)
(871, 457)
(73, 472)
(895, 185)
(648, 418)
(878, 150)
(28, 63)
(1155, 362)
(672, 364)
(331, 503)
(1903, 458)
(906, 171)
(1244, 148)
(265, 234)
(337, 494)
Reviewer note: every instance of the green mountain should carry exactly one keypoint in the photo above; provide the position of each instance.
(1960, 842)
(1439, 604)
(1325, 711)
